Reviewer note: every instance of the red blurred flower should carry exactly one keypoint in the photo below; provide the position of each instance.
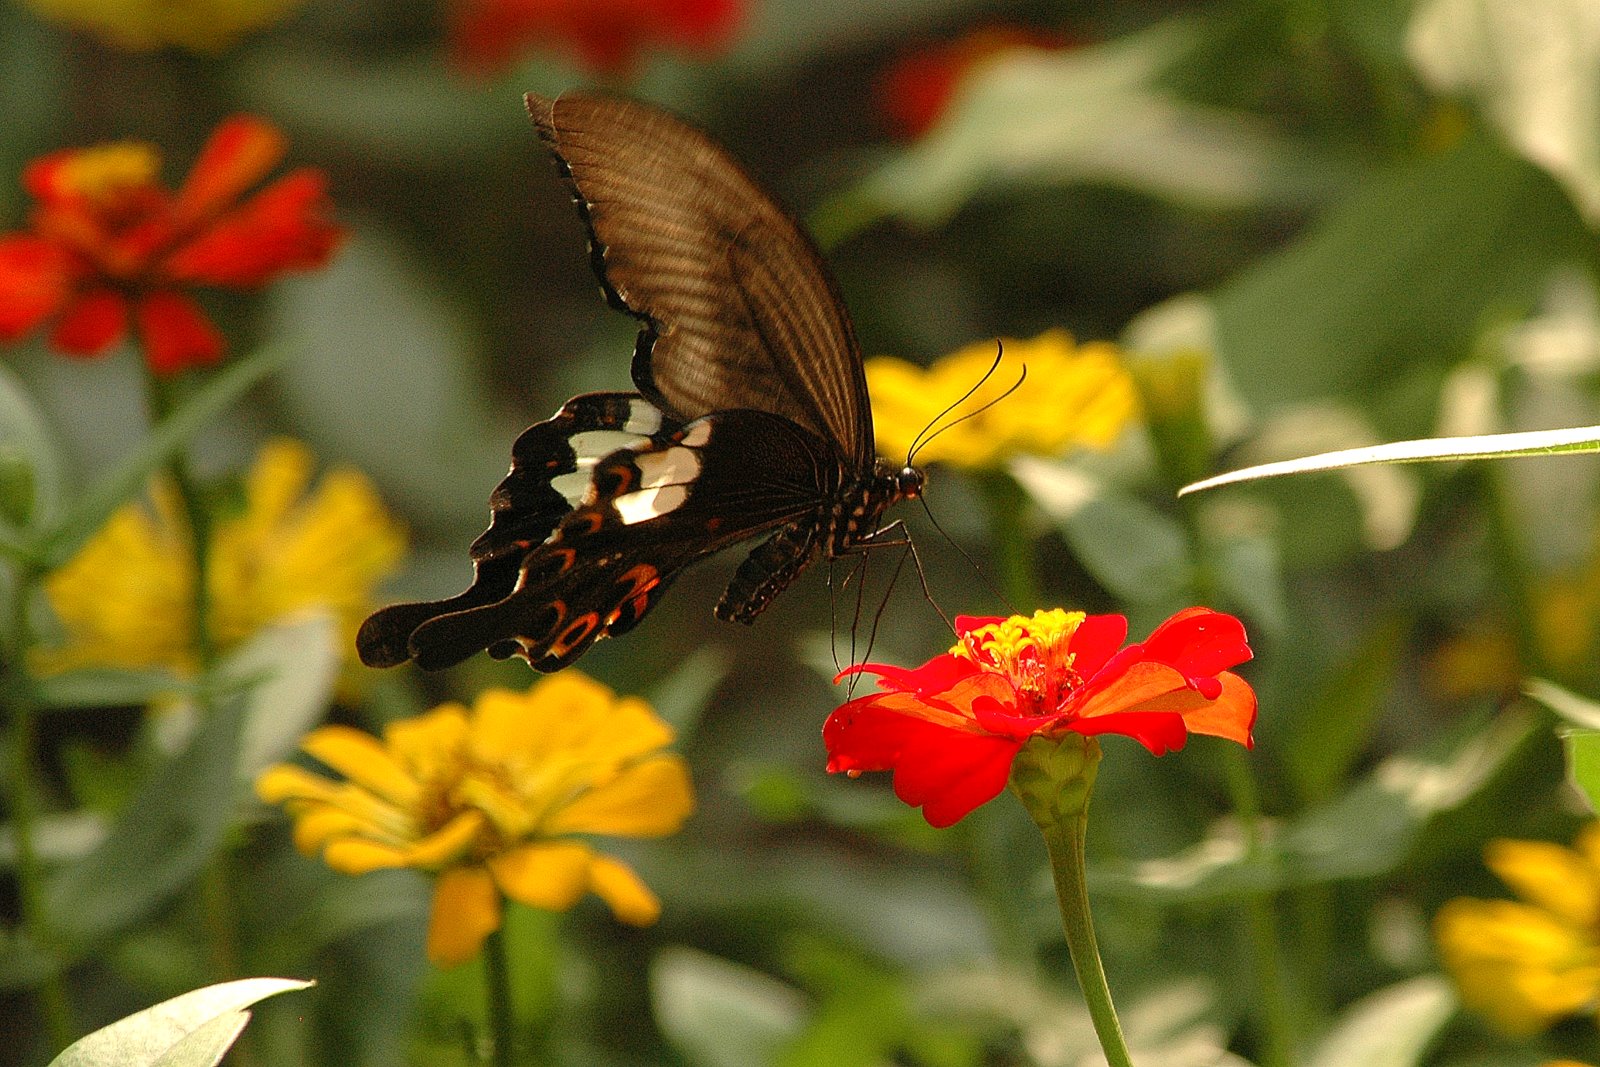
(951, 728)
(606, 36)
(915, 90)
(107, 242)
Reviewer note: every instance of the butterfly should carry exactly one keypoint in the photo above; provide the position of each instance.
(750, 414)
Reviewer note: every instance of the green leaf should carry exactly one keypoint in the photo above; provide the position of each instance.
(1576, 441)
(1583, 763)
(1390, 1028)
(722, 1014)
(681, 697)
(106, 687)
(1534, 67)
(1366, 832)
(192, 1030)
(29, 459)
(289, 670)
(128, 479)
(166, 833)
(1095, 113)
(1399, 276)
(1136, 552)
(1333, 723)
(388, 387)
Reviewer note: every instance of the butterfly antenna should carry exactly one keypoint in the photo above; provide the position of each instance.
(995, 589)
(971, 414)
(1000, 351)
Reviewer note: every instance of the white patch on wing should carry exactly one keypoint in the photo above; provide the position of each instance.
(574, 486)
(672, 466)
(649, 503)
(642, 418)
(593, 445)
(698, 434)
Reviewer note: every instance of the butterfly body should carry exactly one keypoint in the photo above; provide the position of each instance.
(750, 416)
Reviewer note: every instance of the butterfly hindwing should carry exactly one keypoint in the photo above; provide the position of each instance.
(648, 511)
(552, 464)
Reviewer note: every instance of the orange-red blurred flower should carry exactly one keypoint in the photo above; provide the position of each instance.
(915, 90)
(951, 728)
(606, 36)
(107, 243)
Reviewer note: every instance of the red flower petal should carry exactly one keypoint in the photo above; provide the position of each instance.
(35, 281)
(241, 151)
(176, 333)
(1159, 731)
(607, 36)
(934, 676)
(1095, 641)
(1196, 642)
(938, 766)
(92, 323)
(283, 227)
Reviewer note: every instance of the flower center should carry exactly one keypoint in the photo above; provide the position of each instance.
(1032, 653)
(105, 175)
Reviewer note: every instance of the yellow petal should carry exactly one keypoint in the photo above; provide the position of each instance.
(630, 899)
(285, 781)
(649, 799)
(356, 855)
(430, 746)
(466, 909)
(550, 875)
(447, 844)
(1517, 965)
(1555, 878)
(315, 828)
(360, 758)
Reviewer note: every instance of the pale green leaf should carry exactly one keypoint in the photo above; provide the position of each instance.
(147, 1038)
(1583, 763)
(290, 670)
(1576, 441)
(1087, 114)
(1534, 67)
(720, 1013)
(1389, 1028)
(220, 391)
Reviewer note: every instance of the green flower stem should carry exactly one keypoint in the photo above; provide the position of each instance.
(1054, 777)
(497, 989)
(16, 691)
(1008, 507)
(1064, 840)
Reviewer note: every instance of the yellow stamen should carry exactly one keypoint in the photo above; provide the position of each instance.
(1031, 652)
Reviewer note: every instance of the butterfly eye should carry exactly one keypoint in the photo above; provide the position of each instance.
(908, 483)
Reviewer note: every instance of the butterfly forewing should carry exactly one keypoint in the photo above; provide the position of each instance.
(665, 208)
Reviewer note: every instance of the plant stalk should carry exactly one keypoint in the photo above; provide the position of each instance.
(497, 990)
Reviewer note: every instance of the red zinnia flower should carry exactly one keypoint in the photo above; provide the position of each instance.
(915, 90)
(108, 241)
(951, 728)
(606, 36)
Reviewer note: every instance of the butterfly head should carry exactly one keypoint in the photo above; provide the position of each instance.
(908, 483)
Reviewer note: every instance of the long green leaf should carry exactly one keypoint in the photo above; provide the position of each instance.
(1575, 441)
(124, 483)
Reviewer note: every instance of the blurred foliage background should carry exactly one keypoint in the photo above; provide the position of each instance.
(1310, 224)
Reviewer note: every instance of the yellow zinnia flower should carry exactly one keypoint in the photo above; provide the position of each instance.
(127, 599)
(491, 802)
(1074, 395)
(1524, 964)
(141, 25)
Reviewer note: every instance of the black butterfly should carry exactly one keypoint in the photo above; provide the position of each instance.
(751, 413)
